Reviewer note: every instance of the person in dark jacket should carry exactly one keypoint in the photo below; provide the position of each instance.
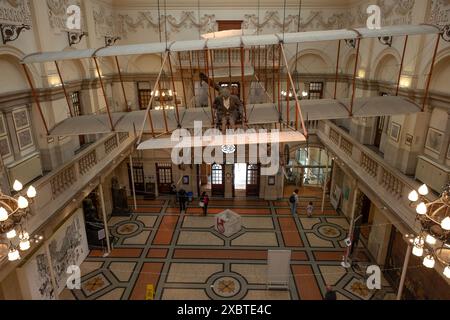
(204, 200)
(331, 294)
(182, 199)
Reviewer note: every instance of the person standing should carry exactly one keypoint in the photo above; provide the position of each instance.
(182, 198)
(227, 108)
(204, 200)
(310, 209)
(331, 294)
(174, 192)
(293, 202)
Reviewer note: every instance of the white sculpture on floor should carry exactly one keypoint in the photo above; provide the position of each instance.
(228, 223)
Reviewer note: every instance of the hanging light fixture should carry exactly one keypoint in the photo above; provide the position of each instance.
(13, 213)
(434, 237)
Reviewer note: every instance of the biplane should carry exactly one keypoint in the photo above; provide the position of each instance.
(290, 115)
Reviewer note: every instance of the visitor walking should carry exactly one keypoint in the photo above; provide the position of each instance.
(182, 199)
(174, 192)
(204, 200)
(331, 294)
(293, 202)
(310, 209)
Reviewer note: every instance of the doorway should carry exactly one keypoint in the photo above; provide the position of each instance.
(379, 131)
(218, 180)
(164, 177)
(138, 175)
(239, 179)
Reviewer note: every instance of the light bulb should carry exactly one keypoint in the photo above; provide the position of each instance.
(417, 251)
(421, 208)
(23, 202)
(418, 241)
(31, 193)
(447, 272)
(445, 224)
(13, 255)
(428, 261)
(24, 235)
(304, 93)
(430, 239)
(11, 234)
(17, 186)
(413, 196)
(423, 190)
(24, 245)
(3, 214)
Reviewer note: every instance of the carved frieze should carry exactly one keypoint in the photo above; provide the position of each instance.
(15, 11)
(57, 13)
(104, 22)
(440, 12)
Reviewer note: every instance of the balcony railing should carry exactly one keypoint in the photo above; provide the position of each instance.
(62, 184)
(387, 182)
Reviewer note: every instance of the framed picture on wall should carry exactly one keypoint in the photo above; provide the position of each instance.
(409, 139)
(25, 138)
(185, 179)
(434, 140)
(2, 126)
(21, 119)
(395, 131)
(5, 149)
(271, 180)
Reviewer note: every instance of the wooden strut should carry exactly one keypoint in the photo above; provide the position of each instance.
(104, 93)
(229, 67)
(297, 103)
(279, 79)
(35, 97)
(401, 66)
(127, 108)
(354, 77)
(288, 111)
(64, 88)
(427, 89)
(147, 111)
(273, 75)
(205, 55)
(174, 90)
(243, 84)
(337, 69)
(182, 79)
(192, 78)
(265, 67)
(161, 101)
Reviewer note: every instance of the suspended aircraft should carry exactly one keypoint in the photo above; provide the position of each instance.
(290, 115)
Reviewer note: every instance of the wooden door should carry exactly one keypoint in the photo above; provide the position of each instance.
(379, 131)
(218, 180)
(164, 177)
(253, 178)
(138, 175)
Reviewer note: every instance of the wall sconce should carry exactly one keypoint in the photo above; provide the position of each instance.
(405, 81)
(11, 32)
(75, 37)
(54, 81)
(361, 74)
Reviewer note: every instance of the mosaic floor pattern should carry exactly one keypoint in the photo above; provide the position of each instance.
(184, 257)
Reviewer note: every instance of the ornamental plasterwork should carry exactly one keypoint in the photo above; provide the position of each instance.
(393, 12)
(57, 13)
(440, 12)
(148, 20)
(15, 11)
(104, 22)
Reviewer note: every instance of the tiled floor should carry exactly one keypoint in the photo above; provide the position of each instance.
(184, 257)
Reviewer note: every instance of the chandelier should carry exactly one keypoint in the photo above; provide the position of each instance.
(13, 213)
(290, 95)
(433, 241)
(228, 148)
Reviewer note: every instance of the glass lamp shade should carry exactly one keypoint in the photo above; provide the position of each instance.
(447, 272)
(3, 214)
(17, 186)
(417, 251)
(413, 196)
(421, 208)
(24, 245)
(423, 190)
(13, 255)
(304, 94)
(24, 235)
(23, 202)
(430, 239)
(429, 261)
(31, 193)
(11, 234)
(445, 224)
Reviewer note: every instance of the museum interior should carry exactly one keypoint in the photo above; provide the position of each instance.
(93, 205)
